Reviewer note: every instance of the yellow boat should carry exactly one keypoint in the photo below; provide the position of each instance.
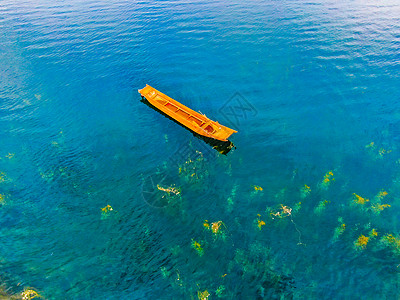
(191, 119)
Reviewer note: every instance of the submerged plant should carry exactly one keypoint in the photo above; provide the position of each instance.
(197, 246)
(230, 201)
(282, 212)
(107, 208)
(382, 194)
(319, 209)
(370, 145)
(220, 291)
(359, 200)
(218, 228)
(389, 240)
(260, 222)
(171, 196)
(176, 250)
(164, 272)
(3, 177)
(328, 178)
(2, 198)
(29, 294)
(203, 295)
(361, 242)
(257, 188)
(377, 152)
(377, 208)
(382, 152)
(339, 230)
(193, 170)
(305, 191)
(296, 207)
(230, 204)
(106, 211)
(256, 268)
(10, 155)
(373, 233)
(206, 224)
(215, 227)
(169, 190)
(47, 175)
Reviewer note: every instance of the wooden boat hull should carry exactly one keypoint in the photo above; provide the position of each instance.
(223, 147)
(189, 118)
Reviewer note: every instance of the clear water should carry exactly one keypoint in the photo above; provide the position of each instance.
(320, 82)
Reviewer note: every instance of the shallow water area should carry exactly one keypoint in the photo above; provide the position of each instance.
(101, 196)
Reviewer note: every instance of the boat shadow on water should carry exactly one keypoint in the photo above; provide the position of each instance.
(222, 147)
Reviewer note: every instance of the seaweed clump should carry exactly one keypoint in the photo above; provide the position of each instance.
(217, 228)
(106, 211)
(361, 242)
(27, 294)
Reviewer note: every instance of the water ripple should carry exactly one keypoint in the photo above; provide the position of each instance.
(323, 80)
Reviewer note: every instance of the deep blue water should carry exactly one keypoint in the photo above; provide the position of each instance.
(319, 82)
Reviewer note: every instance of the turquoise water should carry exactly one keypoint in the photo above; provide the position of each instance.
(312, 87)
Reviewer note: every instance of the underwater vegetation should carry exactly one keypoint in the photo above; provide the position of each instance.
(375, 206)
(220, 291)
(339, 230)
(305, 191)
(9, 155)
(282, 212)
(26, 294)
(3, 177)
(172, 198)
(198, 247)
(377, 152)
(328, 179)
(193, 169)
(392, 242)
(203, 295)
(29, 294)
(106, 211)
(286, 212)
(361, 242)
(218, 229)
(198, 262)
(258, 275)
(257, 188)
(320, 208)
(256, 191)
(169, 190)
(230, 201)
(359, 200)
(260, 223)
(107, 208)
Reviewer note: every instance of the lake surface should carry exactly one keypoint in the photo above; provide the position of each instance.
(306, 207)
